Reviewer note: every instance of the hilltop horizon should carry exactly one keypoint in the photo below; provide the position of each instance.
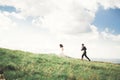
(110, 60)
(22, 65)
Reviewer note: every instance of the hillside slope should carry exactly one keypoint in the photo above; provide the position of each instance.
(19, 65)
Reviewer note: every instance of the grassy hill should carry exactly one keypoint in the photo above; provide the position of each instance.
(19, 65)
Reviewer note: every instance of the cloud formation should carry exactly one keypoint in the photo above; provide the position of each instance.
(110, 3)
(59, 16)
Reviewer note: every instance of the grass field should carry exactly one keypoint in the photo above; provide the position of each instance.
(19, 65)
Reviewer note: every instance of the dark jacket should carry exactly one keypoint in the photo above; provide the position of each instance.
(84, 49)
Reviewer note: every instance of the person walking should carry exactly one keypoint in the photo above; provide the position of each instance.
(84, 52)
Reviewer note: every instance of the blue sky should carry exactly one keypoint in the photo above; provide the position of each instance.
(108, 18)
(7, 8)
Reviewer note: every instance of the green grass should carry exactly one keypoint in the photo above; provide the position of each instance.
(19, 65)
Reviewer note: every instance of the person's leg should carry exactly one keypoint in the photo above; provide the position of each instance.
(82, 56)
(87, 57)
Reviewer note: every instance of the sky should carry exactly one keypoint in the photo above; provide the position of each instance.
(108, 18)
(39, 26)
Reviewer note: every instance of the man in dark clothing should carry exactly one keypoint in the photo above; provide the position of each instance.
(84, 52)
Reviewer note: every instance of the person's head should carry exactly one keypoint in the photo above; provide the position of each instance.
(82, 44)
(61, 45)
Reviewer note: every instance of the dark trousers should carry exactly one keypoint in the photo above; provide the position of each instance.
(84, 54)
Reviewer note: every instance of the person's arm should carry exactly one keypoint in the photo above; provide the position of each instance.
(82, 49)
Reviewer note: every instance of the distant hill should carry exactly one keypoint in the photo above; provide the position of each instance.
(20, 65)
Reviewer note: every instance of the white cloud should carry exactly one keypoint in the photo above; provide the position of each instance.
(69, 18)
(6, 22)
(105, 44)
(110, 36)
(110, 3)
(67, 15)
